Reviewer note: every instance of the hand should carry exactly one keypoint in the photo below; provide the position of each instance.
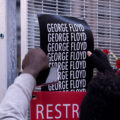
(99, 60)
(34, 62)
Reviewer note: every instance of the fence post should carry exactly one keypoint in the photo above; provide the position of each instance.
(8, 44)
(11, 41)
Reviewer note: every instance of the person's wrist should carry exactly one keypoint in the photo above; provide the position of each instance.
(31, 71)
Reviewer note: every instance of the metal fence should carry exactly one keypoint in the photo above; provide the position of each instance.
(103, 16)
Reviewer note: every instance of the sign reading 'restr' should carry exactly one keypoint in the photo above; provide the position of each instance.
(56, 105)
(65, 40)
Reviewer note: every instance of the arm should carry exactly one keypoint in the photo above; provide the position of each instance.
(102, 92)
(100, 61)
(16, 101)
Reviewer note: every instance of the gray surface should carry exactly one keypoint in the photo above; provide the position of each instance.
(11, 41)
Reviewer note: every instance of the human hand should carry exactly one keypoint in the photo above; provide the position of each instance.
(34, 62)
(99, 60)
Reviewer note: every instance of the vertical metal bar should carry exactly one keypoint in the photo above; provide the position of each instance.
(42, 6)
(56, 7)
(97, 24)
(11, 41)
(24, 28)
(8, 45)
(71, 7)
(110, 42)
(84, 10)
(3, 49)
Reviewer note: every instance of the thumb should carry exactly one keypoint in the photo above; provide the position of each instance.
(89, 53)
(101, 63)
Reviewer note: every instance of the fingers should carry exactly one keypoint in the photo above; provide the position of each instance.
(99, 60)
(92, 57)
(95, 60)
(89, 53)
(35, 61)
(100, 54)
